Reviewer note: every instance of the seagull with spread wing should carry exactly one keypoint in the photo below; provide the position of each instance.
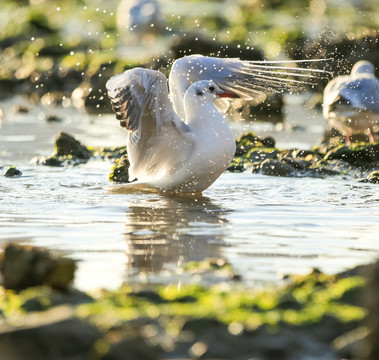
(351, 102)
(182, 144)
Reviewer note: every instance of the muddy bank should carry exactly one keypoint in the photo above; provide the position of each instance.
(319, 316)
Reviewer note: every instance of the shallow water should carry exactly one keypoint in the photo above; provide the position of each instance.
(265, 226)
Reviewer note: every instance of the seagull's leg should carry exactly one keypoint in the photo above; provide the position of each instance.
(371, 134)
(348, 138)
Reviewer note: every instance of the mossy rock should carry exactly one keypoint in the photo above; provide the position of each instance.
(22, 267)
(245, 143)
(120, 171)
(272, 167)
(67, 145)
(12, 172)
(372, 178)
(260, 154)
(360, 155)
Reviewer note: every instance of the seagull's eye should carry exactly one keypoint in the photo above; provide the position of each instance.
(199, 93)
(211, 88)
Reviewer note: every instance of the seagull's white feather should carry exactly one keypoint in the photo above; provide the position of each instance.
(248, 79)
(164, 152)
(140, 99)
(184, 145)
(351, 102)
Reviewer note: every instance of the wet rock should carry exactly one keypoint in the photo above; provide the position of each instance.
(141, 338)
(54, 334)
(68, 151)
(110, 152)
(272, 167)
(132, 349)
(361, 155)
(120, 171)
(236, 168)
(22, 109)
(22, 267)
(369, 349)
(50, 161)
(149, 295)
(372, 178)
(260, 154)
(268, 142)
(42, 298)
(53, 118)
(214, 340)
(67, 145)
(12, 172)
(245, 143)
(297, 164)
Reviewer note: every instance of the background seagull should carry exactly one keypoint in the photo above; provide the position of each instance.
(183, 144)
(351, 102)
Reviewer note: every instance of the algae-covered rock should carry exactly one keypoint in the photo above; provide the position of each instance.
(274, 167)
(373, 178)
(120, 171)
(12, 171)
(361, 155)
(54, 334)
(67, 145)
(245, 143)
(68, 150)
(370, 347)
(22, 267)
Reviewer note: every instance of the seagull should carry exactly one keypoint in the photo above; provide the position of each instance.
(351, 102)
(182, 144)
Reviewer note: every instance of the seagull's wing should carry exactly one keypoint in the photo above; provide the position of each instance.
(362, 93)
(140, 100)
(333, 89)
(247, 79)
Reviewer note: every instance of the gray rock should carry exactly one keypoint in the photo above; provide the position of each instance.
(54, 335)
(274, 167)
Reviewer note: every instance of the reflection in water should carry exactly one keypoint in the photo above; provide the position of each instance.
(172, 230)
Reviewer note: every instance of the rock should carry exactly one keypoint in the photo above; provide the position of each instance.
(22, 267)
(236, 168)
(50, 161)
(268, 142)
(260, 154)
(53, 118)
(53, 334)
(272, 167)
(297, 164)
(120, 171)
(12, 172)
(67, 145)
(369, 349)
(141, 338)
(361, 155)
(373, 178)
(245, 143)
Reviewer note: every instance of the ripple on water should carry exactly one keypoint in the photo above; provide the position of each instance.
(263, 225)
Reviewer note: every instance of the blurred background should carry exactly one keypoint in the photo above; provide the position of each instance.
(63, 52)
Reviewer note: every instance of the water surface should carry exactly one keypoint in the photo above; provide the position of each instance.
(265, 226)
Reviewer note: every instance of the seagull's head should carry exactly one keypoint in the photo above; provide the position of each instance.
(363, 67)
(205, 92)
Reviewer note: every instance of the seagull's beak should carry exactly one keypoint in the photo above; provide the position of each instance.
(226, 94)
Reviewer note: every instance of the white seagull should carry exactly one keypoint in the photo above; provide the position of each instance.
(183, 144)
(351, 102)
